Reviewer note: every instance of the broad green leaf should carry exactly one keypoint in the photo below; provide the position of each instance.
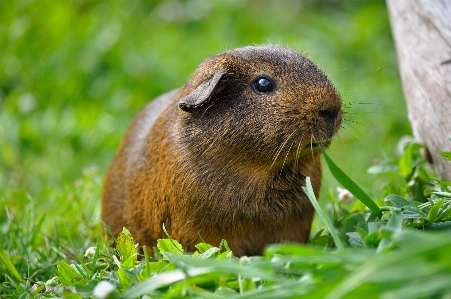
(433, 212)
(126, 248)
(323, 241)
(124, 278)
(373, 238)
(442, 194)
(67, 273)
(349, 184)
(398, 201)
(394, 225)
(410, 210)
(386, 168)
(361, 231)
(446, 155)
(445, 225)
(350, 222)
(226, 255)
(317, 235)
(445, 212)
(130, 262)
(209, 253)
(445, 185)
(72, 296)
(202, 247)
(355, 239)
(248, 284)
(405, 163)
(171, 246)
(374, 226)
(151, 269)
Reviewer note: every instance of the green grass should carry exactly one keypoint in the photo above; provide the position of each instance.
(361, 256)
(72, 76)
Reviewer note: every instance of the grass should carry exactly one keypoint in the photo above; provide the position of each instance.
(362, 255)
(73, 75)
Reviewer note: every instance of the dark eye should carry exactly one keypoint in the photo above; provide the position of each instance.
(263, 85)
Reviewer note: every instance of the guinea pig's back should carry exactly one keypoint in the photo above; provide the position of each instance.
(130, 153)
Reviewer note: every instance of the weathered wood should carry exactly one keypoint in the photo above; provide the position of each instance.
(422, 33)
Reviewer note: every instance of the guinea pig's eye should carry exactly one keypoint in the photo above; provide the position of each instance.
(263, 85)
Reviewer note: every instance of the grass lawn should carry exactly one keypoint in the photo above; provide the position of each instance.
(74, 73)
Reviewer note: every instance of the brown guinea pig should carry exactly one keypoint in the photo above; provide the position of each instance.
(226, 155)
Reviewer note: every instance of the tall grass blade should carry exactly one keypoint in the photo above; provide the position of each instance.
(4, 257)
(308, 189)
(349, 184)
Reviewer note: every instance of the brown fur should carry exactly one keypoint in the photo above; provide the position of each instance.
(231, 163)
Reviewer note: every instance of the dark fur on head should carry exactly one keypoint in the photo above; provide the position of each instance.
(222, 159)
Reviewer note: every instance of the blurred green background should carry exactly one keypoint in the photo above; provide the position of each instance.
(74, 73)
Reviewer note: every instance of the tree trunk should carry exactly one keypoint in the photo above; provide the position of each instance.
(422, 33)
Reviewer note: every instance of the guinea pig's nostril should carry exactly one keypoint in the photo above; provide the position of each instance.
(328, 114)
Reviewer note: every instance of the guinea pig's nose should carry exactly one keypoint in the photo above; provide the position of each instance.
(328, 114)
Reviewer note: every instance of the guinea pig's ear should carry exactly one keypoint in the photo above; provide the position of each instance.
(202, 94)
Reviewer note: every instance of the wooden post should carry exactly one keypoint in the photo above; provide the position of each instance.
(422, 33)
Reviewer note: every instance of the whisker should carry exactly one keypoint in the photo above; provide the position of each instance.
(324, 134)
(347, 130)
(280, 149)
(298, 153)
(286, 156)
(391, 111)
(364, 114)
(354, 134)
(349, 122)
(378, 103)
(277, 154)
(352, 127)
(342, 141)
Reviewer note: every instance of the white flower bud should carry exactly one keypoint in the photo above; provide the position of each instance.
(344, 195)
(103, 289)
(90, 252)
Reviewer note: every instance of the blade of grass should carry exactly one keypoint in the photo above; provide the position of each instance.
(4, 257)
(308, 189)
(146, 262)
(349, 184)
(162, 280)
(96, 256)
(74, 249)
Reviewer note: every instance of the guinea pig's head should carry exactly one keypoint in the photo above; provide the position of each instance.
(265, 105)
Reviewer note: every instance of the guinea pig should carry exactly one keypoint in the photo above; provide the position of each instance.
(226, 155)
